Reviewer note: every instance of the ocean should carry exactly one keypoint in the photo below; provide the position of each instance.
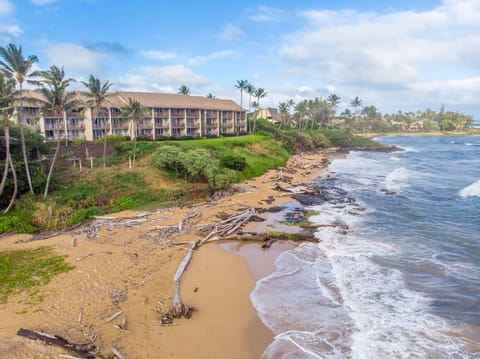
(396, 272)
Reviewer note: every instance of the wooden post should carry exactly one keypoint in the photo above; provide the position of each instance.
(91, 161)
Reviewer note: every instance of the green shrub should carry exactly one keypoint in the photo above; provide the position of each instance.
(84, 214)
(233, 161)
(123, 203)
(11, 223)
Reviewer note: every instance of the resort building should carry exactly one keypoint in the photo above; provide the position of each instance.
(167, 115)
(269, 114)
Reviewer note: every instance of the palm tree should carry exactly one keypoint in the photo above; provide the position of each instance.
(7, 103)
(58, 101)
(356, 103)
(250, 89)
(184, 90)
(134, 112)
(19, 68)
(258, 94)
(242, 86)
(283, 109)
(98, 95)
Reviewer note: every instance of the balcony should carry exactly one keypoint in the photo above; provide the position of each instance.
(56, 126)
(144, 126)
(99, 126)
(211, 124)
(77, 126)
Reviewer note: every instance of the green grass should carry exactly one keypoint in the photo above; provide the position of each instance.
(26, 270)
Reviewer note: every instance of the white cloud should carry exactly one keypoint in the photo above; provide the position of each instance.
(76, 58)
(266, 14)
(381, 54)
(231, 33)
(200, 60)
(159, 55)
(42, 2)
(161, 78)
(9, 31)
(6, 7)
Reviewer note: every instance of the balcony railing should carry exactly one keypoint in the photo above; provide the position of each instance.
(144, 126)
(51, 127)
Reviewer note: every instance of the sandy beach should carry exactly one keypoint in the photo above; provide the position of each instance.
(124, 266)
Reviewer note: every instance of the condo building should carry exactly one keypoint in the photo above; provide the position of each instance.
(167, 115)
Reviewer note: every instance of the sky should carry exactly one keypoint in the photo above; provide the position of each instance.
(394, 54)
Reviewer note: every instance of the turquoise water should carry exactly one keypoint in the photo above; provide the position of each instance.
(398, 276)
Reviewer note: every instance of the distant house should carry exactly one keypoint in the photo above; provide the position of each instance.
(167, 115)
(269, 114)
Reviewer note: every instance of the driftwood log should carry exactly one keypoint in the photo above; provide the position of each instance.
(84, 350)
(223, 228)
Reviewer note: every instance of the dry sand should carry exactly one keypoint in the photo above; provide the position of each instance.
(127, 269)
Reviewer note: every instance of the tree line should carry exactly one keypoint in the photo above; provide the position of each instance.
(16, 69)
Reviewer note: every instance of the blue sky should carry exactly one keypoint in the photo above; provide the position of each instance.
(406, 55)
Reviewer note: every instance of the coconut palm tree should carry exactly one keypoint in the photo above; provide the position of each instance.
(134, 112)
(242, 86)
(283, 110)
(19, 68)
(98, 95)
(7, 103)
(356, 103)
(58, 101)
(250, 89)
(258, 94)
(184, 90)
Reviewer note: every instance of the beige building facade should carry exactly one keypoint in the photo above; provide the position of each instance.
(167, 115)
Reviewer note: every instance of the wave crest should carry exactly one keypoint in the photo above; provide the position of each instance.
(472, 190)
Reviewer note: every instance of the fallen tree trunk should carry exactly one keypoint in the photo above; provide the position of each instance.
(85, 350)
(179, 308)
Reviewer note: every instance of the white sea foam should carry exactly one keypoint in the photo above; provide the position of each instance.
(390, 320)
(394, 158)
(472, 190)
(397, 179)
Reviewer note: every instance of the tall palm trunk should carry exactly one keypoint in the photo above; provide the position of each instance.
(134, 142)
(7, 156)
(105, 151)
(22, 140)
(15, 185)
(52, 165)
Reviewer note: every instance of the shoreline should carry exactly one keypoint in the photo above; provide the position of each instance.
(127, 266)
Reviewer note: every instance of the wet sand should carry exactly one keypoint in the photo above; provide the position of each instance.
(125, 268)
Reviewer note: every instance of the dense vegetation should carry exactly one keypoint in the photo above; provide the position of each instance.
(165, 171)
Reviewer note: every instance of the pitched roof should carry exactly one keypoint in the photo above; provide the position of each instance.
(150, 99)
(159, 100)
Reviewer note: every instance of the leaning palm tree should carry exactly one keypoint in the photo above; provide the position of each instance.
(98, 95)
(184, 90)
(18, 67)
(134, 112)
(7, 103)
(58, 101)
